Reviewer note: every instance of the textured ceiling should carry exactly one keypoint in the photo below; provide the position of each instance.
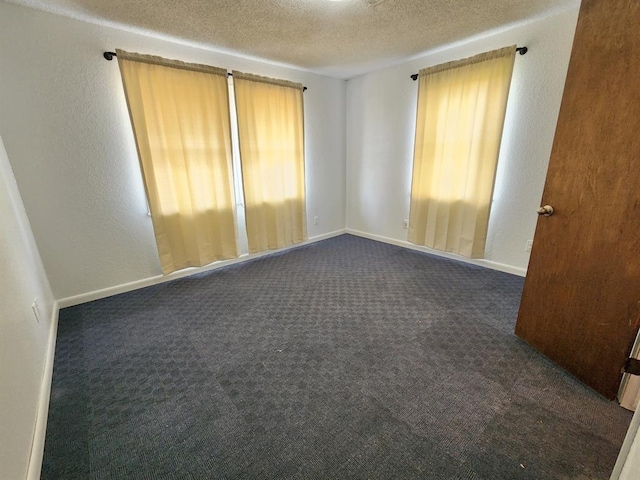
(338, 38)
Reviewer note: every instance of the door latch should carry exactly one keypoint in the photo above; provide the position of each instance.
(632, 366)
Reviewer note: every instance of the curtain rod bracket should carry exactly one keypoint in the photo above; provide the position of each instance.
(520, 50)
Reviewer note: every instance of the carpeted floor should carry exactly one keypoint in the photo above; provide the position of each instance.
(344, 359)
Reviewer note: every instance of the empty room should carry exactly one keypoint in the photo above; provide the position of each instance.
(319, 239)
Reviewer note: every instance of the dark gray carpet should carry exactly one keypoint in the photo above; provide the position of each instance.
(347, 359)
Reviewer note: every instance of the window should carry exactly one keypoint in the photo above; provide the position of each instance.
(460, 118)
(271, 135)
(180, 118)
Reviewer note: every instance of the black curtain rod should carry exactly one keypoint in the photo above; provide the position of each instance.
(109, 56)
(414, 77)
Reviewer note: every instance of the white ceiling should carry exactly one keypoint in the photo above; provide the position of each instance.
(337, 38)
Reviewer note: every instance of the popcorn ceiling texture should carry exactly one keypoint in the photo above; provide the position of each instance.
(338, 38)
(66, 128)
(381, 112)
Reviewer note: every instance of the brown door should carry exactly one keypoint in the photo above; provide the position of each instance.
(580, 302)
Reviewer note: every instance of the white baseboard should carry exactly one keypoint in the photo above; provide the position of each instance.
(40, 430)
(403, 243)
(146, 282)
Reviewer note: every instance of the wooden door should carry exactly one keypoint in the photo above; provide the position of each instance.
(580, 302)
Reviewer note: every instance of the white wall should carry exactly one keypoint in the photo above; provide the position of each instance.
(23, 340)
(380, 131)
(628, 463)
(65, 125)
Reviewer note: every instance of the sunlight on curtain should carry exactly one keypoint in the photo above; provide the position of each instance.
(271, 133)
(460, 118)
(180, 118)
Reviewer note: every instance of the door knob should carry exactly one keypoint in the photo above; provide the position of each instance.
(547, 211)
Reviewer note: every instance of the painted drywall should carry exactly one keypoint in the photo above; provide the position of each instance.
(23, 340)
(66, 128)
(381, 110)
(628, 463)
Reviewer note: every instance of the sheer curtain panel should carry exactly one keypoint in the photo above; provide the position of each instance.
(460, 118)
(180, 117)
(271, 135)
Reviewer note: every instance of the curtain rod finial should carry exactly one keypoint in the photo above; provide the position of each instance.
(109, 55)
(522, 50)
(414, 77)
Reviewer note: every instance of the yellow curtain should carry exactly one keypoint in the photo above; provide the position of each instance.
(460, 118)
(271, 135)
(180, 118)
